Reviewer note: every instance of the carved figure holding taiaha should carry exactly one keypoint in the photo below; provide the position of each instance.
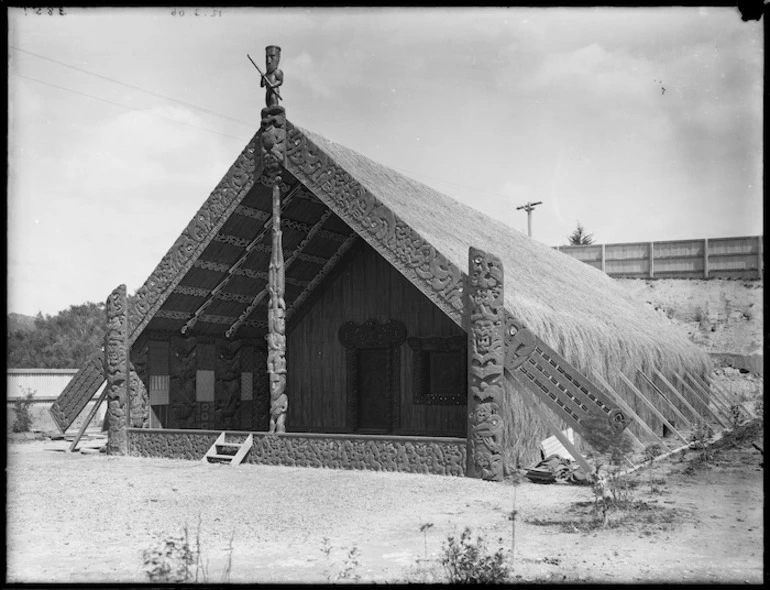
(274, 76)
(486, 361)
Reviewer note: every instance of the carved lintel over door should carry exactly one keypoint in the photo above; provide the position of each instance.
(373, 374)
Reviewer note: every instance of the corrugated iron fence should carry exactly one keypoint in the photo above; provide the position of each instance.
(739, 258)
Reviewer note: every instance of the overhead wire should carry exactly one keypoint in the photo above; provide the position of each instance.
(196, 107)
(143, 111)
(153, 93)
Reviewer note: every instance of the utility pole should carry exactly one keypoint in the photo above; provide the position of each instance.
(529, 207)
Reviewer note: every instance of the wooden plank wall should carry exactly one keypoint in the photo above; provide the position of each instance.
(739, 257)
(316, 362)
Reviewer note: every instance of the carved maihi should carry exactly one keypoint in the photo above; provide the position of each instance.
(486, 361)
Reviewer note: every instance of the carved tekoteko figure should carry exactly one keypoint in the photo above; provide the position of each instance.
(273, 79)
(486, 361)
(273, 138)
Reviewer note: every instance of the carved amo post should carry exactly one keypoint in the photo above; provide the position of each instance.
(116, 370)
(486, 361)
(273, 148)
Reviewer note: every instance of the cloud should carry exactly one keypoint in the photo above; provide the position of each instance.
(305, 71)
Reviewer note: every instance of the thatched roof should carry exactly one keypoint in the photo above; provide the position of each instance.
(576, 309)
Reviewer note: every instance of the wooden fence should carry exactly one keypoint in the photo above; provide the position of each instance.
(735, 258)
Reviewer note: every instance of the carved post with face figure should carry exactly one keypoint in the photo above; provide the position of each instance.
(486, 361)
(116, 370)
(273, 144)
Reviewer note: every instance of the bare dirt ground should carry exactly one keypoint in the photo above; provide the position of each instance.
(88, 518)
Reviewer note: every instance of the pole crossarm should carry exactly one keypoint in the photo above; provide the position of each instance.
(261, 295)
(232, 271)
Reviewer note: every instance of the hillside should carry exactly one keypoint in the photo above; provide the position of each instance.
(723, 317)
(20, 322)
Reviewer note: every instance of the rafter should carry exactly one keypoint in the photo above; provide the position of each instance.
(315, 229)
(330, 263)
(194, 319)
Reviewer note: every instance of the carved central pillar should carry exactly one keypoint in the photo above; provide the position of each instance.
(486, 362)
(273, 150)
(117, 372)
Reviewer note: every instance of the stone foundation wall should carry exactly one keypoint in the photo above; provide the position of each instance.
(439, 456)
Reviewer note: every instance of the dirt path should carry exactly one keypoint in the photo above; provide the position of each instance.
(88, 518)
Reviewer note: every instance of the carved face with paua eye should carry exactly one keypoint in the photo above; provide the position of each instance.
(272, 57)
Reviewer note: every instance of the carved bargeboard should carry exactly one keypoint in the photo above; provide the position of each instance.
(564, 389)
(359, 339)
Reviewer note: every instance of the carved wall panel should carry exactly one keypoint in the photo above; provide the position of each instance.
(227, 393)
(140, 380)
(260, 407)
(117, 371)
(439, 370)
(403, 454)
(486, 362)
(183, 361)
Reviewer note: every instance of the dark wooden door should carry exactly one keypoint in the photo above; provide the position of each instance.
(374, 390)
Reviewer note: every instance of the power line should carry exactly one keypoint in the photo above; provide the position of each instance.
(202, 109)
(163, 96)
(127, 107)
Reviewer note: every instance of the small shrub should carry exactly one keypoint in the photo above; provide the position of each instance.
(21, 408)
(701, 435)
(171, 560)
(349, 564)
(468, 562)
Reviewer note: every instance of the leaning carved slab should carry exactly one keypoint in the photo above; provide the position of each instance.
(564, 389)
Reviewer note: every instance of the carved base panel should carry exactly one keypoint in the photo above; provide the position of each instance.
(438, 456)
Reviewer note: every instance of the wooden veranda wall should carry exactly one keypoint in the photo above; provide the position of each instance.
(740, 257)
(367, 288)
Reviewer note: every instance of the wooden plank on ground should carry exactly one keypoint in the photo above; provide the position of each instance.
(622, 403)
(688, 423)
(652, 407)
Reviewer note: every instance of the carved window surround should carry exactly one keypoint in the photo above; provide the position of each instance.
(425, 390)
(373, 335)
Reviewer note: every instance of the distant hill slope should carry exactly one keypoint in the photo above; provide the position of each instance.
(723, 317)
(63, 341)
(18, 321)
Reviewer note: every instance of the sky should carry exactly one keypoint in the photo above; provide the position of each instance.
(642, 124)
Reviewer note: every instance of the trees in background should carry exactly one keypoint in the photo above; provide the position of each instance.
(580, 237)
(63, 341)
